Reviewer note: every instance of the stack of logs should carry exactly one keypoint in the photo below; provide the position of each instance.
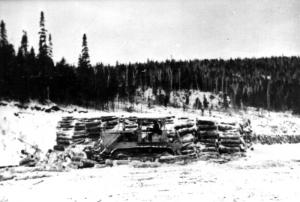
(230, 138)
(220, 137)
(208, 135)
(213, 136)
(74, 131)
(186, 132)
(64, 132)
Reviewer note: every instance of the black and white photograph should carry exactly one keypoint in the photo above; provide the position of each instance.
(149, 100)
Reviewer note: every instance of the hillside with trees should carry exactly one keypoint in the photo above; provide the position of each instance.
(272, 83)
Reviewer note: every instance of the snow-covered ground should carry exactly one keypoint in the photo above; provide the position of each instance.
(269, 173)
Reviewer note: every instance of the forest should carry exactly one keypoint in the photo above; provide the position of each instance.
(272, 83)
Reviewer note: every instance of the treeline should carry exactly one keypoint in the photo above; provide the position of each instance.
(272, 83)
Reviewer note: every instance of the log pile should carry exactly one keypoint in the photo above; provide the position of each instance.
(186, 133)
(212, 136)
(221, 137)
(64, 132)
(72, 130)
(231, 142)
(207, 135)
(79, 132)
(231, 138)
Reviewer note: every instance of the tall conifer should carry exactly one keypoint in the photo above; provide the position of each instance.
(43, 37)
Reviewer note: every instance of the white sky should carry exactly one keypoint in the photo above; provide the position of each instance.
(134, 30)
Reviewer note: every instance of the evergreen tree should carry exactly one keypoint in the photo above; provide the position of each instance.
(85, 74)
(84, 58)
(20, 71)
(45, 64)
(23, 50)
(43, 37)
(50, 51)
(7, 60)
(3, 34)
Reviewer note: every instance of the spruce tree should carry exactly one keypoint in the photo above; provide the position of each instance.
(7, 60)
(43, 37)
(45, 64)
(23, 50)
(85, 73)
(50, 47)
(20, 70)
(3, 34)
(84, 58)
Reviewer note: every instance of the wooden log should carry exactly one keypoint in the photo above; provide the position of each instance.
(207, 134)
(96, 129)
(63, 135)
(121, 162)
(79, 136)
(186, 125)
(205, 122)
(78, 141)
(131, 126)
(171, 159)
(187, 151)
(85, 163)
(206, 127)
(229, 123)
(67, 117)
(187, 138)
(226, 127)
(230, 136)
(67, 123)
(64, 138)
(230, 141)
(112, 123)
(93, 135)
(208, 140)
(208, 144)
(83, 135)
(184, 131)
(209, 149)
(224, 149)
(79, 127)
(228, 144)
(63, 142)
(92, 124)
(109, 127)
(28, 161)
(59, 148)
(65, 126)
(80, 132)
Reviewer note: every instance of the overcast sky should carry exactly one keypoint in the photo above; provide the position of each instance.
(134, 30)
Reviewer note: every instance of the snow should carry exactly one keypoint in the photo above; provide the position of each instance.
(269, 173)
(32, 127)
(260, 176)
